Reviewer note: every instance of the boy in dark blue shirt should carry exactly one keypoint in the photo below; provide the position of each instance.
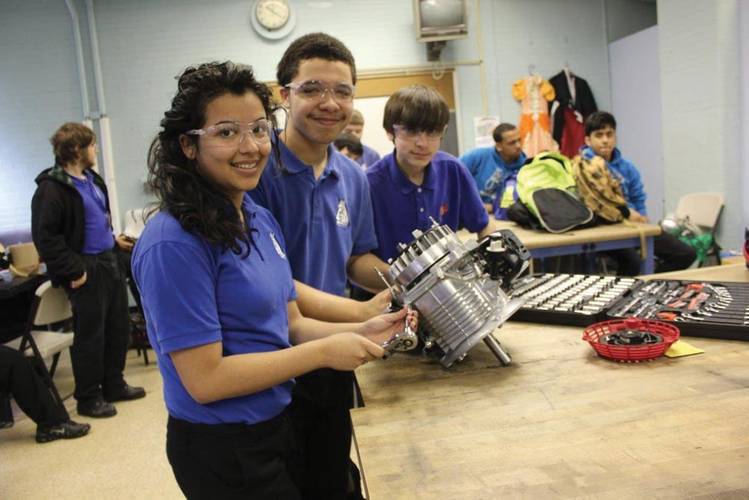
(355, 127)
(320, 199)
(416, 181)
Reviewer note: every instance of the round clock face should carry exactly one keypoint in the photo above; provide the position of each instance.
(273, 19)
(272, 14)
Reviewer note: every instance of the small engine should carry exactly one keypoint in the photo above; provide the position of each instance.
(458, 289)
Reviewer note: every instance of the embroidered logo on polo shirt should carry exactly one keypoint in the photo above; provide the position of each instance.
(444, 208)
(341, 216)
(277, 246)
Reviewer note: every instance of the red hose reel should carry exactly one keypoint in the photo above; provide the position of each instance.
(632, 339)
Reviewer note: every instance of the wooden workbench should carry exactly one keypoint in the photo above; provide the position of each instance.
(730, 272)
(533, 239)
(588, 241)
(558, 422)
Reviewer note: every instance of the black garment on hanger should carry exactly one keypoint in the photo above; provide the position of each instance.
(584, 101)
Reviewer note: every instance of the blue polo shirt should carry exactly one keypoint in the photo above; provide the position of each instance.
(324, 221)
(448, 194)
(97, 230)
(195, 293)
(490, 171)
(368, 158)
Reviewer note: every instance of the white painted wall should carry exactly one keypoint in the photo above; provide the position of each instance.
(547, 34)
(702, 75)
(374, 136)
(145, 43)
(636, 104)
(38, 93)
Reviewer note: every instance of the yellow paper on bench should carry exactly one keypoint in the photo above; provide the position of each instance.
(681, 348)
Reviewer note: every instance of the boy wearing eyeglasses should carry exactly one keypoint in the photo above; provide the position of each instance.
(416, 181)
(321, 200)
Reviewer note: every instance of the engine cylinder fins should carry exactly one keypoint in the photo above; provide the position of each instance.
(453, 311)
(446, 280)
(427, 249)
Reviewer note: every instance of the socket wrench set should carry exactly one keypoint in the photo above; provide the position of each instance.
(569, 299)
(697, 308)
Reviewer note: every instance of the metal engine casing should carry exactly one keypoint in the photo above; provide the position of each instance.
(457, 287)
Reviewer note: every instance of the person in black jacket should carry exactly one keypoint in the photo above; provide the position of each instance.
(72, 230)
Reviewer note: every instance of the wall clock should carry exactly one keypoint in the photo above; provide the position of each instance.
(273, 19)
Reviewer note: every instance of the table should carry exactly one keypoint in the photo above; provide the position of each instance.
(588, 241)
(21, 284)
(729, 272)
(16, 297)
(558, 422)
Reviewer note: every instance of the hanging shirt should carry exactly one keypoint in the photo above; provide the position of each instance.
(195, 293)
(574, 93)
(325, 221)
(97, 236)
(447, 194)
(573, 135)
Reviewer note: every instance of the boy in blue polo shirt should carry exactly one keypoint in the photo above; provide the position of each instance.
(416, 181)
(319, 197)
(355, 127)
(321, 201)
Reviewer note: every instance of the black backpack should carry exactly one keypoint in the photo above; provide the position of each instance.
(547, 195)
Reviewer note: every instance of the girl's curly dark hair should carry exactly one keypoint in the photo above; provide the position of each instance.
(198, 205)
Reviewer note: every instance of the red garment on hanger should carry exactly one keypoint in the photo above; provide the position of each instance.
(573, 134)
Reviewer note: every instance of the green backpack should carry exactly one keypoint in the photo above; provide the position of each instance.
(546, 186)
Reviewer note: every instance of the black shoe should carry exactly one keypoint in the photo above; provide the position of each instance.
(125, 393)
(97, 408)
(65, 430)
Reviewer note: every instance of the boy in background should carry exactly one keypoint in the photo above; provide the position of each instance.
(355, 127)
(72, 230)
(349, 146)
(495, 169)
(671, 253)
(417, 181)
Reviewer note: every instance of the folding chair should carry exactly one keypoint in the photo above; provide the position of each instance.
(135, 222)
(50, 307)
(703, 209)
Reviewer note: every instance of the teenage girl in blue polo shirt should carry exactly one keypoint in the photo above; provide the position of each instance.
(417, 181)
(218, 295)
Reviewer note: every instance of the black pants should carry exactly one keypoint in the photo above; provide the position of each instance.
(18, 378)
(319, 411)
(228, 461)
(671, 254)
(101, 327)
